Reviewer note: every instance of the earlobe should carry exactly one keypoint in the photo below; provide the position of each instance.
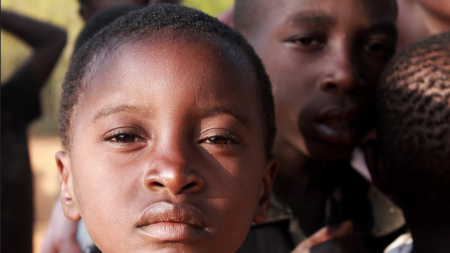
(66, 193)
(263, 204)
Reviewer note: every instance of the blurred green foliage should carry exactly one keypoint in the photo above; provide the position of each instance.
(64, 14)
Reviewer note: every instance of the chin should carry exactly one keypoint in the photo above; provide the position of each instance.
(330, 152)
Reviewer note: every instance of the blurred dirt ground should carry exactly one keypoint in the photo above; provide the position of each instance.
(46, 182)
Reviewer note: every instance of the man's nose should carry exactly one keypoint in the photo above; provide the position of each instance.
(172, 170)
(342, 73)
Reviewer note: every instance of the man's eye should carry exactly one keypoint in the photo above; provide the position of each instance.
(378, 49)
(307, 41)
(123, 138)
(220, 140)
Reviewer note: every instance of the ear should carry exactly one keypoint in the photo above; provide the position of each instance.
(373, 159)
(66, 194)
(263, 204)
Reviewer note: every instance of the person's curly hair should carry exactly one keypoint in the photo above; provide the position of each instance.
(413, 117)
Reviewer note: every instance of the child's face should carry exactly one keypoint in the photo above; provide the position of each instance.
(168, 151)
(324, 58)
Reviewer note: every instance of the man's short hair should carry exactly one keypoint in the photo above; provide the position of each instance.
(413, 117)
(141, 25)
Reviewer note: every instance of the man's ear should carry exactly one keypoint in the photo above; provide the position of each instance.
(66, 194)
(263, 204)
(373, 159)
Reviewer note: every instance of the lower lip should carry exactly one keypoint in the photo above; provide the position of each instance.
(172, 231)
(338, 135)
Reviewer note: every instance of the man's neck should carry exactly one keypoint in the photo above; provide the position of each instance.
(299, 182)
(296, 170)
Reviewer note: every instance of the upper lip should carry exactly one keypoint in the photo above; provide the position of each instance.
(173, 212)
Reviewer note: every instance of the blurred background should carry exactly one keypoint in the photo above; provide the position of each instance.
(43, 139)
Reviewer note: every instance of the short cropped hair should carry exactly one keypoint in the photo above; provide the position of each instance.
(141, 25)
(101, 19)
(413, 117)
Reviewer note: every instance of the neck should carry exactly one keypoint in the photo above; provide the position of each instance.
(299, 181)
(430, 237)
(297, 171)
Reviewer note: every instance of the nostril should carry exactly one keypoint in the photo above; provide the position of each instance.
(331, 86)
(189, 186)
(157, 184)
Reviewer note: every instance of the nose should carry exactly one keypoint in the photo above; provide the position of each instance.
(342, 73)
(171, 170)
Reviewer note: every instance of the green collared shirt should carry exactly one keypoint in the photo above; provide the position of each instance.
(351, 197)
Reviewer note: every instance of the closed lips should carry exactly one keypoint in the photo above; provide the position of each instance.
(173, 222)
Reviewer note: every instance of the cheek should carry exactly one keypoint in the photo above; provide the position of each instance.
(233, 196)
(371, 71)
(102, 184)
(108, 196)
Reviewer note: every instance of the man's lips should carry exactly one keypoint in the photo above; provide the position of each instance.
(172, 222)
(339, 126)
(340, 117)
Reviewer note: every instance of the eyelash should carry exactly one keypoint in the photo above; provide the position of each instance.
(307, 42)
(388, 51)
(227, 136)
(120, 135)
(314, 42)
(126, 136)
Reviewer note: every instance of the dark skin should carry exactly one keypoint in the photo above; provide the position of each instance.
(90, 7)
(324, 58)
(167, 139)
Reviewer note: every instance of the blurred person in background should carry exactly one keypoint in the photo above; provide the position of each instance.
(20, 105)
(418, 19)
(90, 7)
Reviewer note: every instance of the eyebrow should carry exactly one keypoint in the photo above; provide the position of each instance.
(383, 25)
(225, 109)
(117, 109)
(311, 18)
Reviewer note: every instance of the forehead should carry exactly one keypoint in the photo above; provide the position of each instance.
(175, 55)
(353, 12)
(198, 71)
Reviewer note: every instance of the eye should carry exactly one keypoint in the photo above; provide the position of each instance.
(306, 42)
(220, 137)
(378, 49)
(220, 140)
(124, 138)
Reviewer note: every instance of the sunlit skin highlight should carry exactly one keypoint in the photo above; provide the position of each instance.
(168, 151)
